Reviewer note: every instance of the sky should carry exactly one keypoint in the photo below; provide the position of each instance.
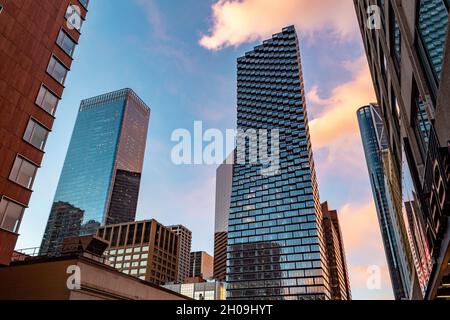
(180, 58)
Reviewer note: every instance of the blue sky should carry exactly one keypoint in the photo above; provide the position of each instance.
(154, 48)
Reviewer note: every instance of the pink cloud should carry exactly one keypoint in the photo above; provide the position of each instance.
(339, 115)
(238, 21)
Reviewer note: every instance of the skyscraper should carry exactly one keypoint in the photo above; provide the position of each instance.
(337, 262)
(224, 180)
(276, 247)
(103, 166)
(37, 43)
(202, 265)
(393, 230)
(184, 251)
(408, 50)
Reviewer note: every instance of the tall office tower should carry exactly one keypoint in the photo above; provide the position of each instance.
(185, 243)
(37, 42)
(202, 265)
(409, 57)
(337, 263)
(393, 229)
(144, 249)
(224, 180)
(102, 170)
(276, 247)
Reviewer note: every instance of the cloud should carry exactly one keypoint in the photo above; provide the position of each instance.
(339, 115)
(361, 230)
(154, 18)
(238, 21)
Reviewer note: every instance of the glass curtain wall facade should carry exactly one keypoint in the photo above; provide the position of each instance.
(395, 244)
(101, 173)
(408, 57)
(275, 246)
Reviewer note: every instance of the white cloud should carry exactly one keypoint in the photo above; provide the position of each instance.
(237, 21)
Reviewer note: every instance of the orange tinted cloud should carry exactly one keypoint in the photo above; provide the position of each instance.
(339, 115)
(237, 21)
(360, 227)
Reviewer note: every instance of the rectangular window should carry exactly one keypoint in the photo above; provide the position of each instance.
(23, 172)
(73, 17)
(85, 3)
(66, 42)
(36, 134)
(47, 100)
(57, 70)
(10, 215)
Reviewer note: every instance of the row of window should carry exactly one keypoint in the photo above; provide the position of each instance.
(126, 265)
(270, 252)
(127, 251)
(128, 257)
(23, 171)
(276, 283)
(275, 275)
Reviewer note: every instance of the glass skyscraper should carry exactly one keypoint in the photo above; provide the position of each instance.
(408, 57)
(276, 248)
(393, 230)
(99, 183)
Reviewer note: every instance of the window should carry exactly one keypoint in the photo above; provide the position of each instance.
(84, 3)
(36, 134)
(47, 100)
(23, 172)
(57, 70)
(73, 17)
(10, 215)
(66, 42)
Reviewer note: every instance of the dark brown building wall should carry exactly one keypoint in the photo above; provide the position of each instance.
(337, 265)
(8, 242)
(28, 34)
(220, 256)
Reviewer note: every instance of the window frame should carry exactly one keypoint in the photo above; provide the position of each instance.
(3, 216)
(67, 35)
(39, 124)
(18, 155)
(82, 19)
(85, 6)
(57, 60)
(58, 98)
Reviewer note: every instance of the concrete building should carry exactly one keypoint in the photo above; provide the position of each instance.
(224, 181)
(144, 249)
(211, 290)
(102, 170)
(37, 42)
(337, 262)
(202, 265)
(408, 50)
(77, 274)
(184, 251)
